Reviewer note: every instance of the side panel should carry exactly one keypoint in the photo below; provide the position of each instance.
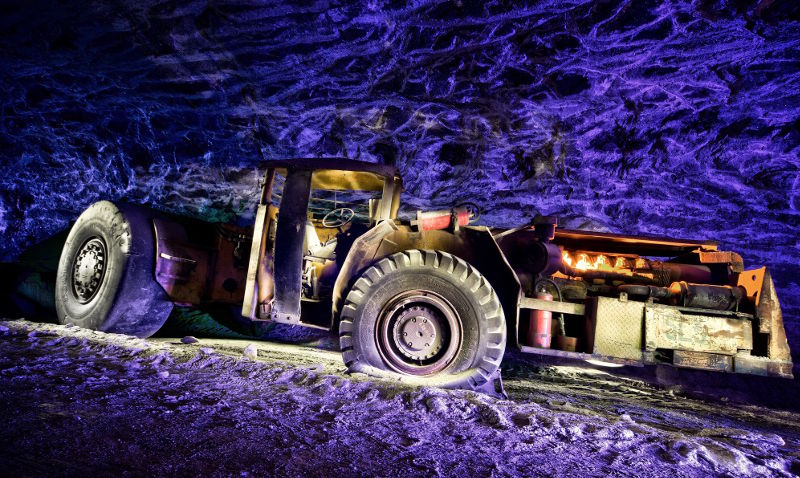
(769, 312)
(198, 262)
(668, 328)
(181, 268)
(615, 328)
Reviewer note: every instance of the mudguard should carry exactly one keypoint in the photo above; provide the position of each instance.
(473, 244)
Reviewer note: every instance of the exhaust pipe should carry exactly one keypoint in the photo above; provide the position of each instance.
(701, 296)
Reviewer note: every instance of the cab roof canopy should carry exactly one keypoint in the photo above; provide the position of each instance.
(338, 173)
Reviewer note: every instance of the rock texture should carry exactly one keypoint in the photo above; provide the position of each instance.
(671, 118)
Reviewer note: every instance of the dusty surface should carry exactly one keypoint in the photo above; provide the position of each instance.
(75, 401)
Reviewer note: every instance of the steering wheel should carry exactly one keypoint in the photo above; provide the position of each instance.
(338, 217)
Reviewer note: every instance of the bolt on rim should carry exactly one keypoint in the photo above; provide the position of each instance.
(88, 269)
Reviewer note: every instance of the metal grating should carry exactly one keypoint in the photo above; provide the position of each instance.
(618, 328)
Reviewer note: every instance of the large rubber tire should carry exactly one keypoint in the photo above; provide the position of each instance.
(423, 274)
(106, 274)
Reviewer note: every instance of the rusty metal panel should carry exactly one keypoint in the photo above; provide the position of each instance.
(745, 363)
(618, 328)
(722, 257)
(256, 250)
(758, 284)
(703, 361)
(752, 281)
(228, 267)
(769, 312)
(552, 306)
(181, 269)
(668, 328)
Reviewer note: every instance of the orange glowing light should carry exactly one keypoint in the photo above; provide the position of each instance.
(586, 262)
(566, 258)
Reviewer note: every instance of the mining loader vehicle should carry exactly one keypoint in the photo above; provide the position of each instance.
(430, 298)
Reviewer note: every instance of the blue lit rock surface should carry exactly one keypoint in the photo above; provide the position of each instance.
(668, 118)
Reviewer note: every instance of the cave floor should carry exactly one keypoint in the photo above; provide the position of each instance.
(75, 402)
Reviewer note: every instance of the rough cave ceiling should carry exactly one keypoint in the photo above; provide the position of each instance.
(670, 118)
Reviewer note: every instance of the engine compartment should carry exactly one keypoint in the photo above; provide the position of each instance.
(636, 300)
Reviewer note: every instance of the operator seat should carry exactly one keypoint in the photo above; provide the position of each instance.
(313, 247)
(311, 240)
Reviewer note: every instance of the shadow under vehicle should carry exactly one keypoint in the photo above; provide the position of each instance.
(431, 299)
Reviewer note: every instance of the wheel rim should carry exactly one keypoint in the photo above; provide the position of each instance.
(88, 269)
(418, 333)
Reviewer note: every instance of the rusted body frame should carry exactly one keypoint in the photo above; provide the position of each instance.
(636, 333)
(738, 326)
(641, 245)
(200, 263)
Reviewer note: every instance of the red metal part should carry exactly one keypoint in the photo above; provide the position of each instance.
(539, 330)
(437, 220)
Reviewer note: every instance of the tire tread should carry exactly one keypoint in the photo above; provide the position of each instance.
(461, 271)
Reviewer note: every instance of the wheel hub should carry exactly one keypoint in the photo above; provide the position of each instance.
(88, 269)
(418, 333)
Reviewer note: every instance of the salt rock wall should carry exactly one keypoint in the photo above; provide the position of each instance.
(671, 118)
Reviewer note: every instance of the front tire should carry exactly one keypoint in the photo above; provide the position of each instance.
(426, 315)
(106, 279)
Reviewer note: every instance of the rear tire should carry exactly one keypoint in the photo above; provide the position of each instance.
(106, 273)
(426, 315)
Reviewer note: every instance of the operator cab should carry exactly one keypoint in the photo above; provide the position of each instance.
(311, 211)
(335, 219)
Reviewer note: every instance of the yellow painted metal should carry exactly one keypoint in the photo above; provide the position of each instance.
(552, 306)
(250, 302)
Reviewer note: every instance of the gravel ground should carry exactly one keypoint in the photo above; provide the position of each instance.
(77, 402)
